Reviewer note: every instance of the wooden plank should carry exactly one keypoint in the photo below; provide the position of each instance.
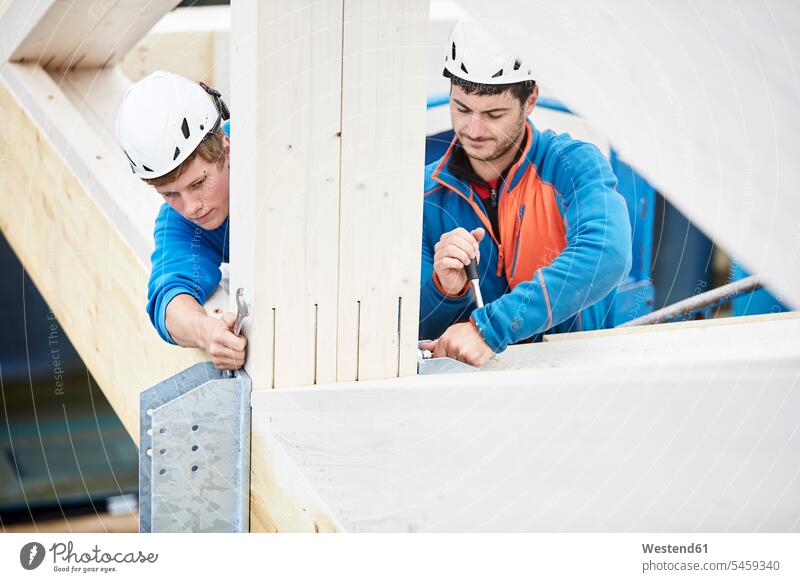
(382, 159)
(285, 77)
(84, 268)
(80, 33)
(702, 446)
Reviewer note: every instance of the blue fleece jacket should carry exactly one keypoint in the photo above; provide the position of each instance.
(186, 259)
(563, 248)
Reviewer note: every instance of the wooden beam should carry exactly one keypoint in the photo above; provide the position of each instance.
(328, 132)
(193, 42)
(80, 33)
(126, 201)
(326, 222)
(286, 75)
(281, 498)
(682, 117)
(84, 267)
(383, 129)
(699, 446)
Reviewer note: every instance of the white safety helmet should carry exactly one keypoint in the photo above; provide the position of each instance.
(474, 55)
(163, 118)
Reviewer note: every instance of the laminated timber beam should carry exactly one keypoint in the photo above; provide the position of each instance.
(87, 271)
(62, 35)
(80, 223)
(328, 130)
(703, 440)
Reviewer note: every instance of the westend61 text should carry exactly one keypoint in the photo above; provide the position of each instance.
(65, 553)
(670, 549)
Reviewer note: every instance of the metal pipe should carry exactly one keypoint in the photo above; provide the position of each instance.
(715, 296)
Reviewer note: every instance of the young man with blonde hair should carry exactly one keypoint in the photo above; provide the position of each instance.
(174, 133)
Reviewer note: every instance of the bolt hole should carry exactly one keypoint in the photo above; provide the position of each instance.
(195, 427)
(163, 451)
(194, 467)
(162, 471)
(195, 447)
(162, 430)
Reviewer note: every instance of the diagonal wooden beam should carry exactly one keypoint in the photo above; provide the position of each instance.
(52, 214)
(80, 33)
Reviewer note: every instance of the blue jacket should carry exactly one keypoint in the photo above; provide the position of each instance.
(563, 248)
(186, 259)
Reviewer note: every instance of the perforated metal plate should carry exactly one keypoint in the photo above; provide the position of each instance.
(194, 457)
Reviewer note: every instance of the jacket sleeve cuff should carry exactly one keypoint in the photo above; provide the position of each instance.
(441, 290)
(480, 319)
(161, 315)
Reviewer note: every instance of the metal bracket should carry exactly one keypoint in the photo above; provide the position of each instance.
(442, 366)
(194, 454)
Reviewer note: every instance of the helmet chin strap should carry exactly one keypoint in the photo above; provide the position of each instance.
(223, 113)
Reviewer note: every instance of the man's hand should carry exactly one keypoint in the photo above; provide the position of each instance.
(227, 351)
(190, 327)
(453, 251)
(462, 342)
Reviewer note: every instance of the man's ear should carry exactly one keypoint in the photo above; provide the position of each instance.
(227, 144)
(530, 102)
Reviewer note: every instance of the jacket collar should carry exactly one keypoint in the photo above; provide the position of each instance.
(455, 172)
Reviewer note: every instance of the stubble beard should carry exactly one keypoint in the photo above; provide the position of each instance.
(501, 150)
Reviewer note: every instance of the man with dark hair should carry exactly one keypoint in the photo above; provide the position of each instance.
(537, 210)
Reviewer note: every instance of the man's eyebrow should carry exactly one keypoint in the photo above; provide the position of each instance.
(494, 110)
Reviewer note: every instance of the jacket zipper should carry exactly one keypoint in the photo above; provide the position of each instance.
(517, 230)
(500, 251)
(500, 246)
